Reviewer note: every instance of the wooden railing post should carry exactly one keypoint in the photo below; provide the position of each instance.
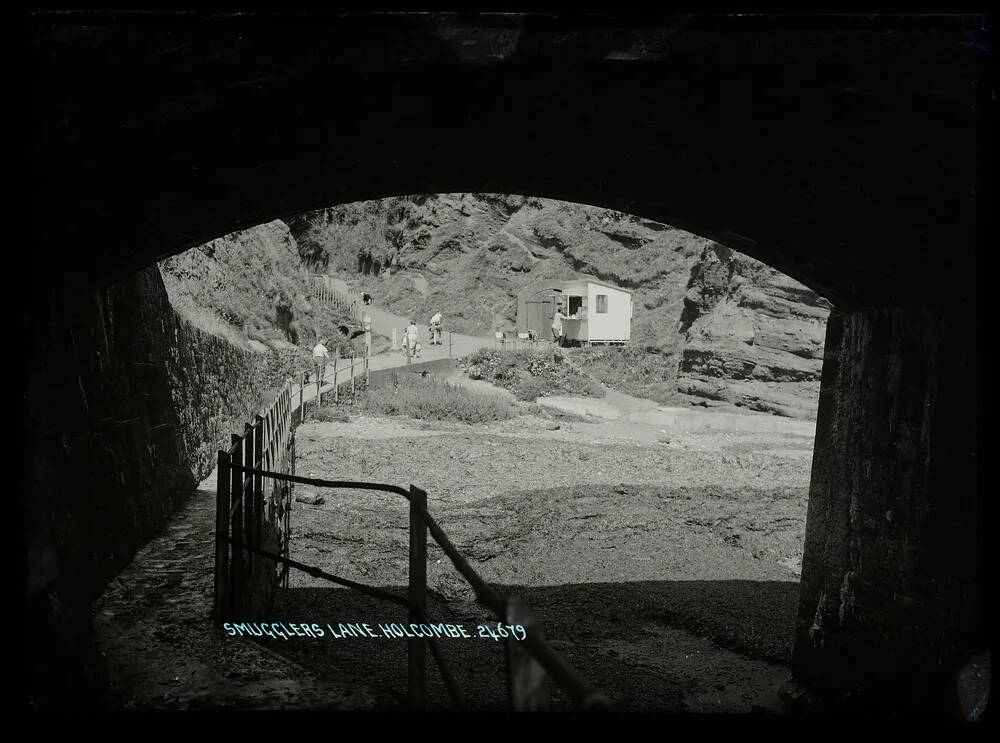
(222, 506)
(336, 384)
(236, 529)
(527, 682)
(352, 376)
(258, 481)
(249, 492)
(416, 651)
(302, 397)
(320, 373)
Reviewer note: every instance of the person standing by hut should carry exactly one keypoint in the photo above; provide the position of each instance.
(557, 326)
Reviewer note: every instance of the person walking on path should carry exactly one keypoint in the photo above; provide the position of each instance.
(436, 329)
(320, 356)
(412, 341)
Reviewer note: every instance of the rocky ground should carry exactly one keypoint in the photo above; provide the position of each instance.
(663, 564)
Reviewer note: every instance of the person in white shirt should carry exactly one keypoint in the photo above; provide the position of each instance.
(436, 329)
(320, 357)
(412, 339)
(557, 327)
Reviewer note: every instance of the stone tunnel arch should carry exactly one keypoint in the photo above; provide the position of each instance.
(796, 145)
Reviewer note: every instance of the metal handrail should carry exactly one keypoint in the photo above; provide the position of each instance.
(583, 693)
(367, 590)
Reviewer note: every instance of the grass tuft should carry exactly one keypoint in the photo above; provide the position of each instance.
(430, 398)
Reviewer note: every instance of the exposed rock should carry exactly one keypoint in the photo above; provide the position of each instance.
(753, 336)
(252, 288)
(311, 500)
(719, 320)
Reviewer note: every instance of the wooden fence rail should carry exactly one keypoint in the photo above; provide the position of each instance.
(254, 510)
(349, 301)
(262, 515)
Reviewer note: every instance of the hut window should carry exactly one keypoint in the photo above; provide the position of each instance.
(575, 304)
(602, 303)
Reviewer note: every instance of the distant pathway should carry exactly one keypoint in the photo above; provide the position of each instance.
(383, 323)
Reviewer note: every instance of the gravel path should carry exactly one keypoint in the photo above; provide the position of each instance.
(158, 649)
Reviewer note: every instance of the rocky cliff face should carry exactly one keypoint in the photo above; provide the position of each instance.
(726, 328)
(469, 254)
(753, 337)
(252, 289)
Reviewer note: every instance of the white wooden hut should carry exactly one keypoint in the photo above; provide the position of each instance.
(595, 311)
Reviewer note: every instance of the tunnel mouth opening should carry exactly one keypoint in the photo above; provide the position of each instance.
(691, 399)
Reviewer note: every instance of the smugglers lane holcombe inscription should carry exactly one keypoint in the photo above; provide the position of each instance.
(289, 630)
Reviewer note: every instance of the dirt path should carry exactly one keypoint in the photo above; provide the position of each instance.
(159, 649)
(383, 323)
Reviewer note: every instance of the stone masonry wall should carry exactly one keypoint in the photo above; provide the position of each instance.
(125, 407)
(892, 588)
(216, 388)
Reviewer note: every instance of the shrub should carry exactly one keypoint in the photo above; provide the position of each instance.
(529, 390)
(434, 399)
(632, 370)
(532, 373)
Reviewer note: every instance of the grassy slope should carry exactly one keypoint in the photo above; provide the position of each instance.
(251, 286)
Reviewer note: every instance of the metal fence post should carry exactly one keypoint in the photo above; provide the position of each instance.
(416, 650)
(221, 548)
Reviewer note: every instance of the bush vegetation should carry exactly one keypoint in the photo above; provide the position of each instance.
(430, 398)
(532, 373)
(632, 370)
